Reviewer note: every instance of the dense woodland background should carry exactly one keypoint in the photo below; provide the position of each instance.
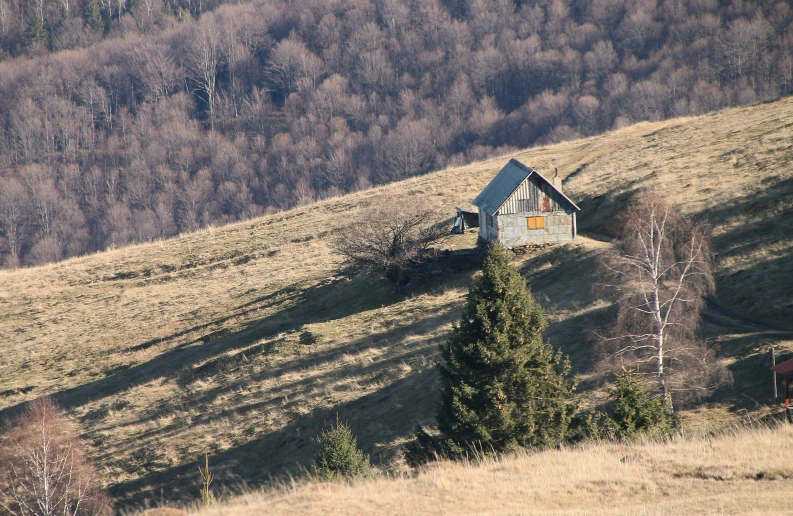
(132, 120)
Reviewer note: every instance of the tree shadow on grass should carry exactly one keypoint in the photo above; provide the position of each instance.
(757, 226)
(377, 419)
(562, 280)
(323, 302)
(576, 336)
(399, 352)
(289, 309)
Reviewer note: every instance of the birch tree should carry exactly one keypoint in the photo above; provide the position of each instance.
(203, 59)
(660, 271)
(43, 471)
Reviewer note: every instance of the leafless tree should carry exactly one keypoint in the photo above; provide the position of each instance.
(203, 60)
(3, 18)
(607, 13)
(46, 250)
(14, 213)
(660, 272)
(488, 66)
(585, 111)
(743, 43)
(408, 149)
(648, 100)
(64, 7)
(638, 27)
(460, 98)
(291, 61)
(157, 71)
(194, 197)
(391, 237)
(601, 60)
(38, 7)
(43, 471)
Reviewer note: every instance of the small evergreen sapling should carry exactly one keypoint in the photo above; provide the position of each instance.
(339, 457)
(634, 411)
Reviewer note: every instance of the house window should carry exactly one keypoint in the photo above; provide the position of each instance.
(536, 222)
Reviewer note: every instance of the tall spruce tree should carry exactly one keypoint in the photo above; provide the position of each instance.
(503, 386)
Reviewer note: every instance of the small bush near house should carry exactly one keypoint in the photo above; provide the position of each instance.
(391, 237)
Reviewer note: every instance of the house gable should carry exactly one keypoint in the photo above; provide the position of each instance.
(517, 182)
(536, 195)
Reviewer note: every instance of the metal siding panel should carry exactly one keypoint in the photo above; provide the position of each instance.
(534, 198)
(527, 191)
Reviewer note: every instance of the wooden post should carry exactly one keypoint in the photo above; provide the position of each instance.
(773, 364)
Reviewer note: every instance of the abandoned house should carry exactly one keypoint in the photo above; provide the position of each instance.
(520, 207)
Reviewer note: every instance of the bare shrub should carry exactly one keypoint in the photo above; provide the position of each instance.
(391, 237)
(43, 470)
(660, 273)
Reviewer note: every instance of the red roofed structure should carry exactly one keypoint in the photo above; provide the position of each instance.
(786, 370)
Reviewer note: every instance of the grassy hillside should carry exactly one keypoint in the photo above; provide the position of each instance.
(168, 350)
(745, 472)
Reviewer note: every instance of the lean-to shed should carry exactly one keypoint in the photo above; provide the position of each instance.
(520, 207)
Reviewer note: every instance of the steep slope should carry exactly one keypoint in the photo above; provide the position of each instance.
(168, 350)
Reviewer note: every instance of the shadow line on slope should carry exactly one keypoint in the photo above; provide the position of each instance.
(317, 303)
(375, 424)
(417, 349)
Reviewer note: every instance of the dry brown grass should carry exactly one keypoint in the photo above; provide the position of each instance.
(168, 350)
(740, 472)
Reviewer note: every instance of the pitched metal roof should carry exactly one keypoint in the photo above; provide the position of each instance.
(505, 183)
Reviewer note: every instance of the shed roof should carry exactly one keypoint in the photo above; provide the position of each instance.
(506, 182)
(784, 368)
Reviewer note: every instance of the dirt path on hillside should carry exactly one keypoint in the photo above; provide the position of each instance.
(746, 323)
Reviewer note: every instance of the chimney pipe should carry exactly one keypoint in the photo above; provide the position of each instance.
(557, 181)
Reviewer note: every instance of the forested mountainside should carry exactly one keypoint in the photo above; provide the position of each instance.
(132, 120)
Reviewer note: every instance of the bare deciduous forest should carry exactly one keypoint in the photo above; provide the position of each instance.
(132, 120)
